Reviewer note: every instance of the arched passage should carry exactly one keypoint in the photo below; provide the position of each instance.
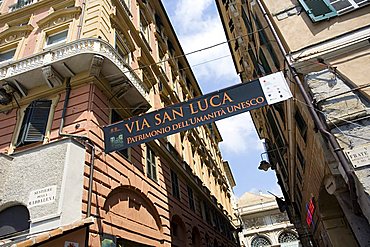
(14, 219)
(127, 206)
(178, 232)
(333, 221)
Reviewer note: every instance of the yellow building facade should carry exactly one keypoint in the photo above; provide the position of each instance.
(316, 142)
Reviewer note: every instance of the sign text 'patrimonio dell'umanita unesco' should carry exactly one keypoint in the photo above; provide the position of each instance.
(195, 112)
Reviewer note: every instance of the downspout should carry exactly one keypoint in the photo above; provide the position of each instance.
(88, 143)
(336, 148)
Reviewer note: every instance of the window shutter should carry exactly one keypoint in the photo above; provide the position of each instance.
(35, 120)
(344, 6)
(318, 10)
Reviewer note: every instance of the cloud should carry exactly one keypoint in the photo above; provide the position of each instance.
(199, 27)
(238, 134)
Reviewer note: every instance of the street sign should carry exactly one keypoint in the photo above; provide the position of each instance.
(196, 112)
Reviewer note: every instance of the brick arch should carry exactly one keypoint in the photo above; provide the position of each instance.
(128, 206)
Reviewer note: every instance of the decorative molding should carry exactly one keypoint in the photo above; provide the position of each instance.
(59, 16)
(96, 65)
(52, 77)
(15, 33)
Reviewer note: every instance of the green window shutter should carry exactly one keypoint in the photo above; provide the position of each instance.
(34, 122)
(318, 10)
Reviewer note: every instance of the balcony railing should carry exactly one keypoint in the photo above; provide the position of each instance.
(69, 50)
(21, 4)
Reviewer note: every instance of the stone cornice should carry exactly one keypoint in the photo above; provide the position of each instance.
(59, 16)
(14, 33)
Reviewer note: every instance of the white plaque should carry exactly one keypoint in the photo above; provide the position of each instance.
(359, 156)
(42, 196)
(275, 88)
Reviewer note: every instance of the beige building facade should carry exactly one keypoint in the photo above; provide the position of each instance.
(68, 68)
(263, 223)
(317, 142)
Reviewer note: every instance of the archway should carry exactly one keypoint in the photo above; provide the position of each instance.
(14, 219)
(178, 232)
(128, 206)
(332, 221)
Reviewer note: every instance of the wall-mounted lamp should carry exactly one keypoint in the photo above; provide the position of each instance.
(265, 164)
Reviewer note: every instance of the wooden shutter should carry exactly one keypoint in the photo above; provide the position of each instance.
(344, 6)
(34, 123)
(318, 10)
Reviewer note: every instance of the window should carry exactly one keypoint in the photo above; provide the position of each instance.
(286, 237)
(151, 168)
(57, 38)
(115, 117)
(144, 28)
(7, 55)
(261, 31)
(34, 123)
(300, 158)
(231, 25)
(264, 65)
(260, 241)
(122, 48)
(301, 124)
(175, 185)
(191, 198)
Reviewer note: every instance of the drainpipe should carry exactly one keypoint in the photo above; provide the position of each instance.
(320, 126)
(88, 143)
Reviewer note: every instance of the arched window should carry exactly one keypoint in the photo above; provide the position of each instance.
(286, 237)
(14, 219)
(260, 241)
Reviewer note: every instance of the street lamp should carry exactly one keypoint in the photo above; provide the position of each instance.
(265, 164)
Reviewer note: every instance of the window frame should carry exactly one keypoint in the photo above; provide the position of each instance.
(175, 186)
(20, 118)
(151, 164)
(48, 35)
(122, 48)
(7, 51)
(191, 198)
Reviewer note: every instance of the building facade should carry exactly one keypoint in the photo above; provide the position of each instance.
(318, 141)
(68, 68)
(263, 222)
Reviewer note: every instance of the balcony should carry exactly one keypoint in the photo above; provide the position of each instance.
(93, 55)
(21, 4)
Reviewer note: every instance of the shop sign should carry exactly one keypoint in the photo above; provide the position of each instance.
(195, 112)
(42, 196)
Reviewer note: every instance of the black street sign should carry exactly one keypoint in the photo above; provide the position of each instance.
(196, 112)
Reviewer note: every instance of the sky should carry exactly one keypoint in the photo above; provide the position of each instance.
(199, 27)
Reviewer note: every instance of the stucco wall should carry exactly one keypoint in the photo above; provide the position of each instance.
(58, 164)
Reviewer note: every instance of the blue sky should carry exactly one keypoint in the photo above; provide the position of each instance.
(198, 27)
